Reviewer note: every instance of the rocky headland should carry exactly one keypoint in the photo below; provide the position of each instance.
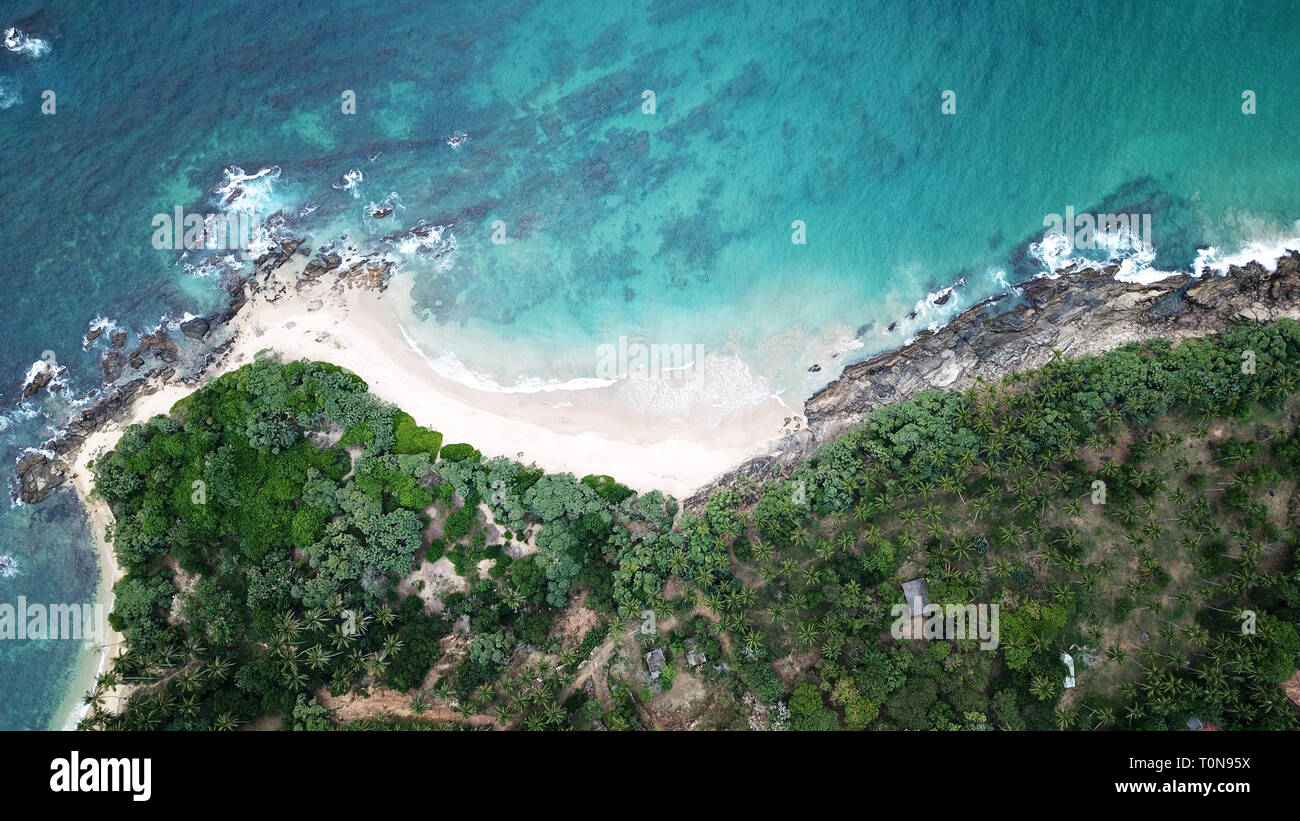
(162, 359)
(1078, 312)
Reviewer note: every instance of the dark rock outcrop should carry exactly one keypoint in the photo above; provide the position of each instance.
(39, 380)
(159, 359)
(112, 363)
(159, 344)
(38, 476)
(1081, 312)
(196, 328)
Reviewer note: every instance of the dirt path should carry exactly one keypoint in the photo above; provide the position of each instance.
(390, 703)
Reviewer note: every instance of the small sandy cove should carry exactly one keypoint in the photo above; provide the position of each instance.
(579, 432)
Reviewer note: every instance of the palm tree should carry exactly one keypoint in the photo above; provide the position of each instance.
(218, 668)
(317, 656)
(862, 511)
(224, 722)
(512, 598)
(806, 634)
(715, 603)
(844, 541)
(1061, 592)
(1064, 718)
(1008, 535)
(553, 714)
(746, 597)
(188, 706)
(1043, 687)
(94, 697)
(833, 645)
(189, 680)
(1105, 716)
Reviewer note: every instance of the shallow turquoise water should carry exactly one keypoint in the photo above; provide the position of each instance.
(673, 226)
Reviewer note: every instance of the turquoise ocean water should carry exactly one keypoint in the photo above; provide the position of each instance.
(673, 226)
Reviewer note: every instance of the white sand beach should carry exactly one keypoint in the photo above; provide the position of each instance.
(580, 431)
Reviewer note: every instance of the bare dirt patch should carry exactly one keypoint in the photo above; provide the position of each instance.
(575, 622)
(385, 703)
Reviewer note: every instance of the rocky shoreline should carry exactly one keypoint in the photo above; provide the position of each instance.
(1079, 312)
(160, 360)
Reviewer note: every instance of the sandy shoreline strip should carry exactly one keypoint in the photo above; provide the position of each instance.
(580, 432)
(102, 441)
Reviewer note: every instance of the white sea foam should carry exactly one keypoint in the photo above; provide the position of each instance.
(257, 199)
(440, 241)
(104, 324)
(19, 413)
(449, 366)
(999, 279)
(350, 182)
(256, 190)
(936, 308)
(1054, 252)
(392, 203)
(720, 386)
(20, 43)
(1265, 251)
(35, 369)
(716, 388)
(8, 566)
(211, 267)
(1136, 261)
(57, 380)
(9, 96)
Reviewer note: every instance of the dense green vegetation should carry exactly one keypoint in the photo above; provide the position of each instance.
(1137, 511)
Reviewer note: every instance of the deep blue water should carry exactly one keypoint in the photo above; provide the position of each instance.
(674, 226)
